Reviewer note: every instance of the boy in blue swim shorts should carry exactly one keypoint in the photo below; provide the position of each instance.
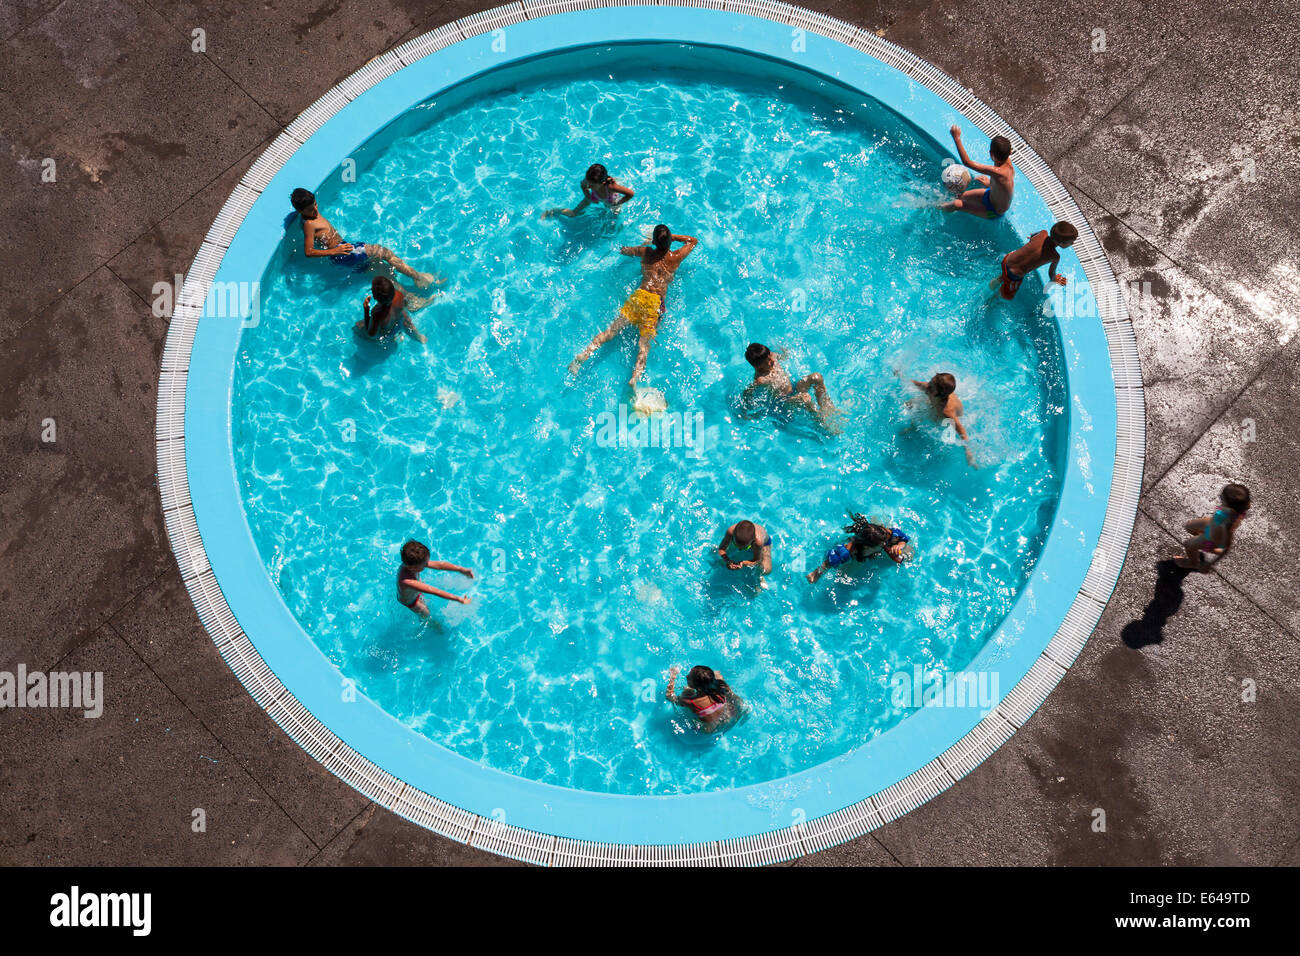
(998, 180)
(319, 238)
(870, 540)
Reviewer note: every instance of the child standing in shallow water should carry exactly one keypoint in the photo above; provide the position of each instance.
(942, 392)
(707, 696)
(597, 186)
(1213, 534)
(389, 313)
(411, 590)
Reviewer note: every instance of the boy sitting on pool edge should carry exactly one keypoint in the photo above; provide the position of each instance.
(319, 238)
(993, 201)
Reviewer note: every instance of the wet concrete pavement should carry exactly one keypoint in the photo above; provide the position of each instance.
(1178, 135)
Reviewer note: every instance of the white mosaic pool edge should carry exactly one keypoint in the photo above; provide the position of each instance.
(530, 846)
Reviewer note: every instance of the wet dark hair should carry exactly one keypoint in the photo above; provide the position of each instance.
(414, 553)
(866, 535)
(596, 173)
(757, 352)
(1000, 148)
(301, 198)
(745, 533)
(944, 384)
(702, 680)
(382, 288)
(662, 237)
(1236, 497)
(1063, 232)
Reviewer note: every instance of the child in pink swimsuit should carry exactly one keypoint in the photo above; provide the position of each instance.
(707, 696)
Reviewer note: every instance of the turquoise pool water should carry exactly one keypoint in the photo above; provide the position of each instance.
(594, 558)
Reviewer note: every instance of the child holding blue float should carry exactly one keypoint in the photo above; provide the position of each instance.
(869, 540)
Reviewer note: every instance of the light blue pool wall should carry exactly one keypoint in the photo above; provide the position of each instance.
(295, 659)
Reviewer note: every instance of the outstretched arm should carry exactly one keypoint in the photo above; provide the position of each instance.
(437, 592)
(672, 685)
(561, 211)
(965, 159)
(637, 251)
(961, 430)
(448, 566)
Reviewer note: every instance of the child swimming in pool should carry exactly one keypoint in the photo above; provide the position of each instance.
(644, 308)
(319, 238)
(751, 540)
(707, 696)
(769, 373)
(411, 590)
(994, 199)
(598, 186)
(1040, 250)
(870, 540)
(1213, 534)
(942, 392)
(389, 314)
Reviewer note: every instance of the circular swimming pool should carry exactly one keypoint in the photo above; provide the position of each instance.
(295, 458)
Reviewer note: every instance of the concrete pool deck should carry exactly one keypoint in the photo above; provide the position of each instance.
(149, 139)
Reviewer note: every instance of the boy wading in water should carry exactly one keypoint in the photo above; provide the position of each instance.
(753, 544)
(994, 199)
(771, 374)
(644, 308)
(942, 392)
(1213, 534)
(1040, 250)
(319, 238)
(411, 590)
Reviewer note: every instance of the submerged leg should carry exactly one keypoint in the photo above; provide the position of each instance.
(643, 350)
(600, 339)
(422, 279)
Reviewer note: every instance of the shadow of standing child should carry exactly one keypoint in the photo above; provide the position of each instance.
(1165, 602)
